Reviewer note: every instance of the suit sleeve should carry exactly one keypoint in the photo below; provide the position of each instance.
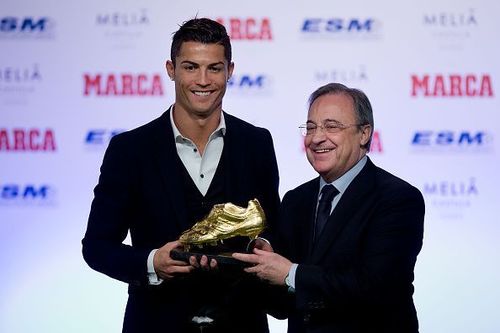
(380, 270)
(110, 219)
(268, 178)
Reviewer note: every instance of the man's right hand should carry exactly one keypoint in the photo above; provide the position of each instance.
(167, 268)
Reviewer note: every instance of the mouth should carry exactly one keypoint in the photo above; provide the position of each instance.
(322, 150)
(202, 93)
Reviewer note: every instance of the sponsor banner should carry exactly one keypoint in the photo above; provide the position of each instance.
(247, 28)
(451, 85)
(452, 141)
(122, 84)
(27, 27)
(16, 194)
(27, 140)
(342, 28)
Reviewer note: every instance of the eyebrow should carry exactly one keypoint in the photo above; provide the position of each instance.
(326, 121)
(197, 64)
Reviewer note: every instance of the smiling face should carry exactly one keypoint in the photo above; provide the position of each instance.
(333, 154)
(200, 75)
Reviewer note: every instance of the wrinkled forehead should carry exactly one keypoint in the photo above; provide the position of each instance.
(334, 107)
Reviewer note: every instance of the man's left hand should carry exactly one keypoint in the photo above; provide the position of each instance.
(268, 266)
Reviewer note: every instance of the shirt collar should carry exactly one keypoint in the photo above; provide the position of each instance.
(219, 131)
(343, 182)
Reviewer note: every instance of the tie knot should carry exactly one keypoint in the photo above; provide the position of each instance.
(328, 192)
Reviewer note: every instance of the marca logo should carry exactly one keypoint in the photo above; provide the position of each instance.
(19, 75)
(21, 139)
(376, 144)
(344, 75)
(450, 19)
(247, 28)
(452, 85)
(123, 19)
(452, 141)
(12, 193)
(11, 26)
(122, 85)
(100, 137)
(336, 26)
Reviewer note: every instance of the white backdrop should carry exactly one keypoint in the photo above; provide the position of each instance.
(430, 69)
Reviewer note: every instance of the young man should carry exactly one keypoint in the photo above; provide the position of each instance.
(159, 179)
(349, 238)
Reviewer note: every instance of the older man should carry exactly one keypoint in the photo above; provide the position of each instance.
(347, 240)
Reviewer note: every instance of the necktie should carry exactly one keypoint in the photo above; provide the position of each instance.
(324, 207)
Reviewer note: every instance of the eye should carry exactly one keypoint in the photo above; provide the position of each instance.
(215, 69)
(332, 126)
(189, 68)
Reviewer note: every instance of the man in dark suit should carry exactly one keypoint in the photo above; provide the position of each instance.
(159, 179)
(348, 240)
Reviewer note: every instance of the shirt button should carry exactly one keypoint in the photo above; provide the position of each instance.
(195, 150)
(202, 175)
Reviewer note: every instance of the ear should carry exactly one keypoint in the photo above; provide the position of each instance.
(366, 132)
(170, 69)
(230, 69)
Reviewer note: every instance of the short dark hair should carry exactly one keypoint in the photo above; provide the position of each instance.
(202, 30)
(362, 106)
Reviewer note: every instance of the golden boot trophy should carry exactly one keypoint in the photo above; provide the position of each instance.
(223, 222)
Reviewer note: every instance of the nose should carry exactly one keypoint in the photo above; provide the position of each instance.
(203, 78)
(318, 135)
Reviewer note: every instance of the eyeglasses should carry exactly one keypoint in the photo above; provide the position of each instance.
(328, 127)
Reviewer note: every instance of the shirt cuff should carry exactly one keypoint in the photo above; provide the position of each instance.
(152, 276)
(290, 281)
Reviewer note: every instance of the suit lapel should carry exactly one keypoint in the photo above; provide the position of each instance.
(233, 187)
(167, 158)
(310, 201)
(345, 210)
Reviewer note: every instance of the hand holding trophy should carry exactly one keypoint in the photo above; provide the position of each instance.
(224, 222)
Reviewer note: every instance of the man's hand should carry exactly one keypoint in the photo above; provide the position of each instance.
(167, 268)
(269, 266)
(203, 263)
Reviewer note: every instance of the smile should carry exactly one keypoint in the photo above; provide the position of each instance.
(202, 93)
(323, 150)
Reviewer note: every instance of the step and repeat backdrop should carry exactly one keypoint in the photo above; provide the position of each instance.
(75, 73)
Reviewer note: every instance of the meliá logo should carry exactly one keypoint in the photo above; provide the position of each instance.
(249, 28)
(341, 27)
(123, 19)
(27, 140)
(99, 137)
(20, 75)
(451, 85)
(122, 84)
(26, 27)
(352, 75)
(450, 19)
(12, 193)
(452, 141)
(451, 197)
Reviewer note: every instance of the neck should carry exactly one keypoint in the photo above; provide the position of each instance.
(196, 128)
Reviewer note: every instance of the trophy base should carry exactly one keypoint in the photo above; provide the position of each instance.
(223, 258)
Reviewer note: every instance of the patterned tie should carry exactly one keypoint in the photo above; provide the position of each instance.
(324, 207)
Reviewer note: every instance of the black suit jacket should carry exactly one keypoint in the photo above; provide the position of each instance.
(358, 277)
(140, 192)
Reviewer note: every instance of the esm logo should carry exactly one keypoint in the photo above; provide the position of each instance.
(25, 26)
(26, 194)
(452, 140)
(247, 81)
(338, 26)
(99, 137)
